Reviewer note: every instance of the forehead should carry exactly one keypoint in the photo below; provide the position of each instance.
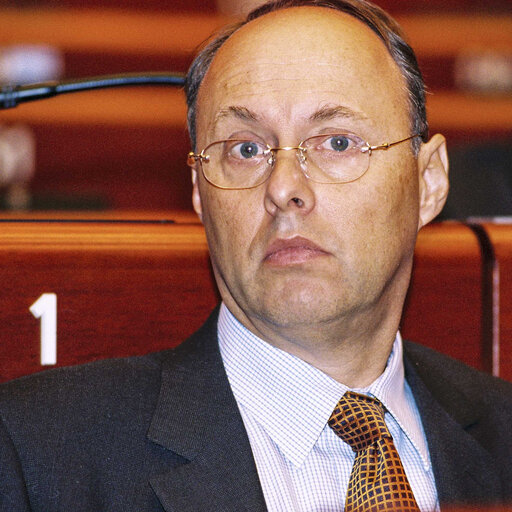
(288, 65)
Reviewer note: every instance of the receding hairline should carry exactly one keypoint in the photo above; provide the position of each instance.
(370, 15)
(285, 11)
(325, 112)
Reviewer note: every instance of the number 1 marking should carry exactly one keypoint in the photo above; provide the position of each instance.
(45, 308)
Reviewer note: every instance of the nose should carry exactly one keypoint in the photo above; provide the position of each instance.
(288, 189)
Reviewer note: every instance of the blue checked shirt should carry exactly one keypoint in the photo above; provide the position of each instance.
(285, 403)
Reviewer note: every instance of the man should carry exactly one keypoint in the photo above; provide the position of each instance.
(312, 174)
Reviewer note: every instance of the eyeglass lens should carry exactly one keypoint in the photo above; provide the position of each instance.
(329, 158)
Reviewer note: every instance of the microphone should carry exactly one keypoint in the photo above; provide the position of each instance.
(12, 95)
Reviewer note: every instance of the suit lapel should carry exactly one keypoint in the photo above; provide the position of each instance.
(197, 418)
(464, 471)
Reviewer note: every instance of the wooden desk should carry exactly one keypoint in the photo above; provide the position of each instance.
(122, 288)
(135, 31)
(126, 148)
(500, 237)
(444, 305)
(126, 287)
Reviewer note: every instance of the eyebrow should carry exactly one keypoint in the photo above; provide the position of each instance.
(323, 114)
(241, 113)
(339, 111)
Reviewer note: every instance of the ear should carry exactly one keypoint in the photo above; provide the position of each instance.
(196, 196)
(433, 178)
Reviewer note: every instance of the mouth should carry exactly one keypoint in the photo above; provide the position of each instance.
(292, 251)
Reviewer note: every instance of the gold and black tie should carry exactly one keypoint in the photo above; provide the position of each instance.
(378, 481)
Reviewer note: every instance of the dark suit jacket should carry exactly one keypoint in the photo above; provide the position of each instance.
(163, 432)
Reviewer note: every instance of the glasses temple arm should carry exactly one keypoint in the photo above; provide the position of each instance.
(387, 145)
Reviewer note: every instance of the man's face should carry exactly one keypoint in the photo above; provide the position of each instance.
(292, 252)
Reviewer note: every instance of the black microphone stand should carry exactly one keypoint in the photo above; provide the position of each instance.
(12, 95)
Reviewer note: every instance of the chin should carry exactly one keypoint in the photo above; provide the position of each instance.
(299, 309)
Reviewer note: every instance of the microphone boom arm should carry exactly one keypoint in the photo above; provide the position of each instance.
(12, 95)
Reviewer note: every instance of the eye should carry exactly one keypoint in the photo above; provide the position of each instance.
(339, 142)
(246, 150)
(334, 144)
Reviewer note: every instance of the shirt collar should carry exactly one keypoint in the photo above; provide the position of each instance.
(392, 390)
(293, 400)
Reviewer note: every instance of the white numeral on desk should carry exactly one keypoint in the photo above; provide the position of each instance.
(45, 308)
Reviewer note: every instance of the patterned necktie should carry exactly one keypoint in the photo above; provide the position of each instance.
(378, 481)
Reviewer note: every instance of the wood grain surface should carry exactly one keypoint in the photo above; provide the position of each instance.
(500, 235)
(129, 287)
(122, 289)
(444, 305)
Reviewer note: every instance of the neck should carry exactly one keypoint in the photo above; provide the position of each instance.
(350, 345)
(352, 350)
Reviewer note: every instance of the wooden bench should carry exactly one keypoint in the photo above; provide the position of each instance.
(122, 288)
(500, 271)
(444, 305)
(127, 148)
(130, 286)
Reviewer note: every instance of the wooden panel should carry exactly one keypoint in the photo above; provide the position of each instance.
(108, 30)
(147, 33)
(85, 64)
(127, 288)
(151, 5)
(165, 107)
(500, 236)
(98, 217)
(393, 6)
(444, 305)
(97, 164)
(119, 167)
(122, 288)
(445, 34)
(464, 112)
(145, 106)
(491, 6)
(126, 148)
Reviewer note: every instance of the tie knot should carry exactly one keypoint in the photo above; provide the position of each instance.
(358, 420)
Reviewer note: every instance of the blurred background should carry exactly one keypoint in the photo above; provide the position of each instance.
(125, 149)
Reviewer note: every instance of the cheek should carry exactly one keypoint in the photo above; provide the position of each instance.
(405, 197)
(396, 219)
(229, 221)
(395, 193)
(377, 214)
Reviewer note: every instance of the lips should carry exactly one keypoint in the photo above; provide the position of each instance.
(292, 251)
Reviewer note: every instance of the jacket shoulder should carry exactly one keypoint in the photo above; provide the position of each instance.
(81, 403)
(73, 438)
(475, 399)
(444, 372)
(464, 411)
(96, 381)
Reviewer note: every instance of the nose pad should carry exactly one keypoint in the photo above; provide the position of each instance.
(301, 155)
(287, 160)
